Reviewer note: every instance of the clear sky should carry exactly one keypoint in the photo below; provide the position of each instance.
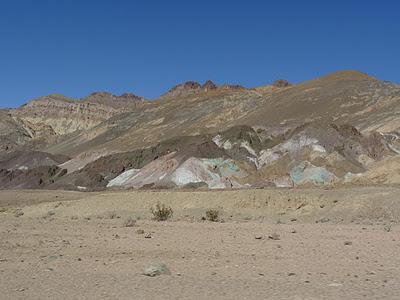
(75, 47)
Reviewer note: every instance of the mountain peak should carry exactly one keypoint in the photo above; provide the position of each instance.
(186, 88)
(347, 75)
(102, 96)
(209, 85)
(281, 83)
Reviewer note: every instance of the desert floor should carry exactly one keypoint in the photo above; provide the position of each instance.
(268, 244)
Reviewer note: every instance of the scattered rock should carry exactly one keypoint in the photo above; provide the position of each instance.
(258, 237)
(323, 220)
(335, 284)
(274, 236)
(157, 270)
(291, 274)
(387, 227)
(348, 243)
(18, 213)
(147, 235)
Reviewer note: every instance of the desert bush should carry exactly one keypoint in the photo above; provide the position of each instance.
(161, 212)
(212, 215)
(111, 215)
(49, 214)
(129, 222)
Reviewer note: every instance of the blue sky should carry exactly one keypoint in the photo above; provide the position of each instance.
(145, 47)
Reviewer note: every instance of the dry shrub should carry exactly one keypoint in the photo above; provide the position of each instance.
(161, 212)
(212, 215)
(130, 222)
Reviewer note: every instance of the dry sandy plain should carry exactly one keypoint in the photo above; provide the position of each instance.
(270, 244)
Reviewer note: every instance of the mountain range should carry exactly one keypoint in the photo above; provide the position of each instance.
(340, 129)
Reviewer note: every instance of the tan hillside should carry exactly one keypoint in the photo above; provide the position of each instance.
(65, 115)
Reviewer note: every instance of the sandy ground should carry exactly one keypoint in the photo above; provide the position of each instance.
(273, 244)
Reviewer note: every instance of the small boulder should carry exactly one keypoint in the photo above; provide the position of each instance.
(274, 236)
(157, 270)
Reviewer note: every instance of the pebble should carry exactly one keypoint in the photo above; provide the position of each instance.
(335, 284)
(323, 220)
